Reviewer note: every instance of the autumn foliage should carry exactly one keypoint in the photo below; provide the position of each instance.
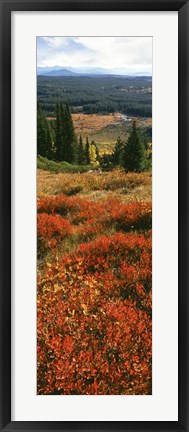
(94, 296)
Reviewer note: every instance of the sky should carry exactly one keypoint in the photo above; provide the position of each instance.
(119, 54)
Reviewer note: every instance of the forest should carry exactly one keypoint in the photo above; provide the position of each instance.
(98, 95)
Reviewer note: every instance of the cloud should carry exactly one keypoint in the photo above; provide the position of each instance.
(106, 52)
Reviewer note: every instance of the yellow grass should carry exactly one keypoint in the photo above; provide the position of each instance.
(97, 185)
(90, 124)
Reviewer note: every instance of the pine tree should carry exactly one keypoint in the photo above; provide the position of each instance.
(41, 132)
(97, 152)
(87, 152)
(49, 144)
(58, 133)
(44, 141)
(81, 155)
(62, 132)
(117, 153)
(133, 152)
(70, 140)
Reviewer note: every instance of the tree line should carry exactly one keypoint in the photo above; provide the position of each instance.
(56, 140)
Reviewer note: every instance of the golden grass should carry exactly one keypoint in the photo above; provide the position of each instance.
(91, 123)
(105, 129)
(97, 185)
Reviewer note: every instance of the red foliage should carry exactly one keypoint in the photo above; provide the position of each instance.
(111, 213)
(51, 230)
(94, 303)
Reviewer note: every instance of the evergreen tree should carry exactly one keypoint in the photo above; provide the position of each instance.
(62, 151)
(106, 161)
(117, 153)
(133, 152)
(49, 143)
(58, 133)
(81, 155)
(41, 132)
(87, 152)
(44, 141)
(70, 140)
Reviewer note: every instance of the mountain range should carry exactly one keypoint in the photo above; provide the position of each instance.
(59, 71)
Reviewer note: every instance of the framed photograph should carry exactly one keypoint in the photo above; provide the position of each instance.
(94, 209)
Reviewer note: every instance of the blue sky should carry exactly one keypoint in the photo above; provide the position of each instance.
(120, 54)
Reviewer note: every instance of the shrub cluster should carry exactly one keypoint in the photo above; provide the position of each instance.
(94, 301)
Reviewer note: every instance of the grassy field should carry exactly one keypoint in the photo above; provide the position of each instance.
(88, 124)
(95, 185)
(105, 129)
(107, 136)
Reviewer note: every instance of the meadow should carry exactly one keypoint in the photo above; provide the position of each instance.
(104, 129)
(94, 283)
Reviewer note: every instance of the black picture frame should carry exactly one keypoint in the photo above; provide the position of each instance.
(6, 7)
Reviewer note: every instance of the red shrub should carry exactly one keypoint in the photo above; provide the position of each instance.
(51, 230)
(94, 303)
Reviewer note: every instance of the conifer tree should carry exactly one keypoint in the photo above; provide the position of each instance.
(49, 144)
(117, 153)
(62, 151)
(133, 153)
(70, 140)
(66, 145)
(58, 133)
(41, 132)
(81, 155)
(44, 141)
(87, 152)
